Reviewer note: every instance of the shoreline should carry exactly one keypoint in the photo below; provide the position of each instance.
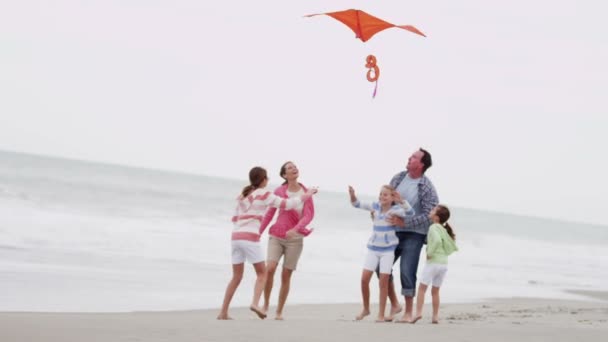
(571, 295)
(525, 319)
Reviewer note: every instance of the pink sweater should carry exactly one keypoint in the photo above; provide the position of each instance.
(250, 210)
(289, 219)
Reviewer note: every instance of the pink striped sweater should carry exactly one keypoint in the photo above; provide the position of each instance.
(289, 219)
(250, 211)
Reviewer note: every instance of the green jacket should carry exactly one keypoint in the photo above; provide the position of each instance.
(439, 245)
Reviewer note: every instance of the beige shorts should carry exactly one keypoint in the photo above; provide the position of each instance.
(292, 249)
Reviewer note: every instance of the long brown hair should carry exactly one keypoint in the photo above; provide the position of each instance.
(284, 171)
(257, 175)
(444, 214)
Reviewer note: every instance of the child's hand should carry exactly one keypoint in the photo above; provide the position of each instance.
(397, 197)
(351, 192)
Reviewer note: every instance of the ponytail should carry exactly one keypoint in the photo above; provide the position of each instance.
(449, 230)
(444, 214)
(247, 190)
(257, 176)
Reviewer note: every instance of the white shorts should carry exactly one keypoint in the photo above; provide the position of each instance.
(246, 250)
(375, 258)
(433, 274)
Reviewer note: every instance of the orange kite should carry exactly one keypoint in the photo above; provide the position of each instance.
(365, 25)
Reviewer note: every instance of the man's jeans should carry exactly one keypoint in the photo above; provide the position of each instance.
(408, 250)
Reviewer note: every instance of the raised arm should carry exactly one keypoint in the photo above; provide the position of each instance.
(356, 203)
(408, 209)
(275, 201)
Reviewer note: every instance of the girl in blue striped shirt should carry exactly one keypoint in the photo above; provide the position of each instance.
(381, 245)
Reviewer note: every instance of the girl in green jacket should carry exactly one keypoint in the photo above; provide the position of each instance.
(440, 244)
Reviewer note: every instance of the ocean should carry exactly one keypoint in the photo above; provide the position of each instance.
(92, 237)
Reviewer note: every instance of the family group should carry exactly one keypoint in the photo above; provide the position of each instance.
(406, 216)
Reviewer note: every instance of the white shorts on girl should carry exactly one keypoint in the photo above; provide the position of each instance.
(373, 259)
(433, 274)
(246, 250)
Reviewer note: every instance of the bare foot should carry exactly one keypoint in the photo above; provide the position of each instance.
(394, 311)
(223, 317)
(435, 321)
(279, 317)
(362, 315)
(416, 319)
(258, 311)
(405, 319)
(381, 319)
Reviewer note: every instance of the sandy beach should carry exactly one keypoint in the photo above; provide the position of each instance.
(518, 319)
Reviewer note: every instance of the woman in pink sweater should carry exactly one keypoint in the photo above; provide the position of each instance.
(286, 235)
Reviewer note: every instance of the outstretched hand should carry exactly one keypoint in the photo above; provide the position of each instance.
(308, 194)
(351, 192)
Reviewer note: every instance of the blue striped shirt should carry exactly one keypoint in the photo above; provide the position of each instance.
(383, 238)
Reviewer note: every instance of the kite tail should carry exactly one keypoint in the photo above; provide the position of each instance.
(373, 74)
(375, 90)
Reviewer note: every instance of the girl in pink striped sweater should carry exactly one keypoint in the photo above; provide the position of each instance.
(251, 206)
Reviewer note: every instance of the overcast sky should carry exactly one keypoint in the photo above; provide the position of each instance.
(509, 97)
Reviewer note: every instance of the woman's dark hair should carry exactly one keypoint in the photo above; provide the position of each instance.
(444, 214)
(257, 175)
(284, 171)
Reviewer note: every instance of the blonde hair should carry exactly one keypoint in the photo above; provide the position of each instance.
(391, 189)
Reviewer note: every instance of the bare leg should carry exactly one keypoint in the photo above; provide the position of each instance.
(419, 302)
(284, 291)
(260, 282)
(392, 296)
(409, 305)
(383, 294)
(271, 267)
(435, 294)
(366, 276)
(237, 276)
